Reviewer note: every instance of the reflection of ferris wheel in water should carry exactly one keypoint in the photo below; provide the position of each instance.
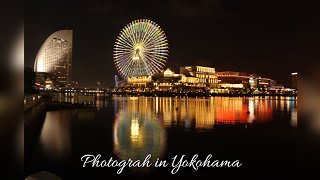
(141, 49)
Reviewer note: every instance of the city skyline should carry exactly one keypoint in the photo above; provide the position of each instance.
(169, 83)
(220, 40)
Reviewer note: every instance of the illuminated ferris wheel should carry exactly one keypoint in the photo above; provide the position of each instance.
(141, 49)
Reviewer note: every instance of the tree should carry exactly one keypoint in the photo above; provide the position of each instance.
(29, 81)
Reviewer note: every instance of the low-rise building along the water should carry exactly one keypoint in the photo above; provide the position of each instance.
(202, 79)
(205, 75)
(242, 81)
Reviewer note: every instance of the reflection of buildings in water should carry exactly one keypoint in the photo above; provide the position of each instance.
(204, 113)
(137, 132)
(55, 137)
(294, 117)
(231, 110)
(266, 107)
(134, 129)
(185, 112)
(284, 103)
(167, 109)
(251, 108)
(96, 99)
(85, 114)
(200, 111)
(263, 110)
(291, 103)
(100, 101)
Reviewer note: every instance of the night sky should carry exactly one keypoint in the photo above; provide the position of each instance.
(268, 38)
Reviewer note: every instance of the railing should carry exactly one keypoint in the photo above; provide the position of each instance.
(31, 100)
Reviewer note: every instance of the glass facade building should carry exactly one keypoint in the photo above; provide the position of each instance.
(55, 57)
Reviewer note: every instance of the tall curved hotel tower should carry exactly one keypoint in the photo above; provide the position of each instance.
(55, 57)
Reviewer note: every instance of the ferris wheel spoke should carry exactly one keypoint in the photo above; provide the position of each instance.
(151, 32)
(124, 63)
(129, 68)
(125, 38)
(127, 35)
(145, 33)
(154, 61)
(123, 43)
(148, 33)
(152, 43)
(133, 28)
(158, 54)
(150, 40)
(156, 43)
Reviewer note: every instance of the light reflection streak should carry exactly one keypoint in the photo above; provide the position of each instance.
(55, 137)
(251, 111)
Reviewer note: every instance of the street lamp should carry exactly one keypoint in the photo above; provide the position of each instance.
(98, 85)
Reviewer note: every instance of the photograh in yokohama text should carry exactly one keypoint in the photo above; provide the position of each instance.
(177, 162)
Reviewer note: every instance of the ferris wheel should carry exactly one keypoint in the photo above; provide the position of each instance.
(141, 49)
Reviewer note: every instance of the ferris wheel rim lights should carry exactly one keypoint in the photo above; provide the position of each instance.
(141, 49)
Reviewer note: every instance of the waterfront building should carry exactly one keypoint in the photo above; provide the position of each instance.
(45, 81)
(166, 81)
(206, 75)
(240, 81)
(55, 57)
(140, 81)
(40, 79)
(170, 81)
(230, 81)
(169, 73)
(263, 83)
(203, 79)
(276, 89)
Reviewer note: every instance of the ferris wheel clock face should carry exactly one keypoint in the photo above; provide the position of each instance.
(141, 49)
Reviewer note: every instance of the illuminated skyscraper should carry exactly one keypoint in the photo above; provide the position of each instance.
(294, 80)
(55, 57)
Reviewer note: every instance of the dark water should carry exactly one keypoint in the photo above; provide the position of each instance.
(260, 132)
